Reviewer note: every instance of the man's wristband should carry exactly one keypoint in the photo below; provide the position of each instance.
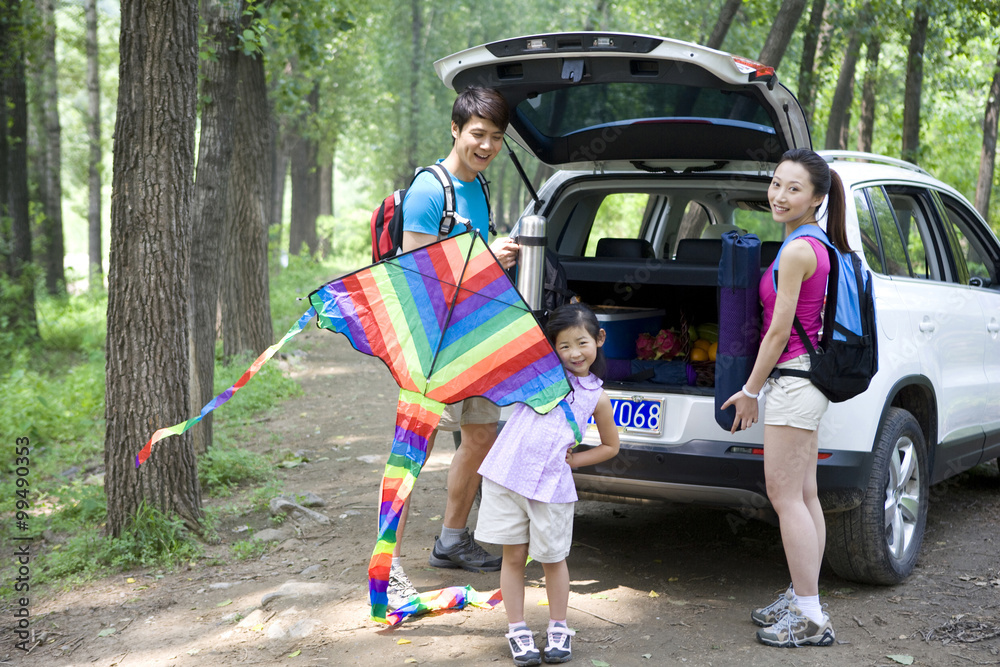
(748, 394)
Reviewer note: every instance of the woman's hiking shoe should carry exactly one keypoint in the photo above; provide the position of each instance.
(522, 647)
(558, 648)
(793, 629)
(400, 589)
(466, 554)
(768, 615)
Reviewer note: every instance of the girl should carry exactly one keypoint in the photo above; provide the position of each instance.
(528, 490)
(801, 181)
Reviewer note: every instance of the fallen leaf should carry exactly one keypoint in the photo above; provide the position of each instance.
(674, 579)
(403, 641)
(543, 603)
(598, 663)
(224, 603)
(436, 517)
(105, 632)
(598, 596)
(130, 580)
(194, 651)
(410, 661)
(294, 653)
(901, 659)
(654, 594)
(258, 628)
(647, 656)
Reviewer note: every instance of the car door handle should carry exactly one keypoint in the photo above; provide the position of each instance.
(927, 326)
(994, 326)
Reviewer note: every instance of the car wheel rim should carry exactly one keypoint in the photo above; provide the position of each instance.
(902, 498)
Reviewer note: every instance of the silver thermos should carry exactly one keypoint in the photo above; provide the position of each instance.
(531, 260)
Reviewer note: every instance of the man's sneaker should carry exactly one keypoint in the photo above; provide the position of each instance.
(558, 648)
(793, 629)
(465, 554)
(768, 615)
(522, 647)
(400, 589)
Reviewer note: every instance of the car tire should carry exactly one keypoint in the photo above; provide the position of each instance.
(878, 541)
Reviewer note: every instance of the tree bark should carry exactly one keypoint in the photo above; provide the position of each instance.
(866, 123)
(721, 29)
(807, 65)
(215, 152)
(149, 271)
(987, 158)
(781, 32)
(17, 298)
(94, 253)
(910, 149)
(305, 190)
(246, 309)
(279, 174)
(52, 227)
(326, 186)
(410, 160)
(838, 122)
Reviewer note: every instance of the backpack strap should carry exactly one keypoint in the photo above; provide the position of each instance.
(448, 215)
(485, 185)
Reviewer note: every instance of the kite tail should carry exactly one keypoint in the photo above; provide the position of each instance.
(416, 418)
(453, 597)
(177, 429)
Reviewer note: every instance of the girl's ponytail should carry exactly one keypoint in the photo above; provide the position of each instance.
(836, 226)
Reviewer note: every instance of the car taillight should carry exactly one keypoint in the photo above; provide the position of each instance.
(754, 69)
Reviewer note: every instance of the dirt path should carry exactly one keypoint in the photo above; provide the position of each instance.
(652, 585)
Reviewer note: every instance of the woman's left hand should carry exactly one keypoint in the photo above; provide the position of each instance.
(746, 410)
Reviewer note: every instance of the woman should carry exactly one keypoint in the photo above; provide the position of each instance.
(801, 181)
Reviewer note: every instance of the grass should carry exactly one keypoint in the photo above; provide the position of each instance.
(52, 391)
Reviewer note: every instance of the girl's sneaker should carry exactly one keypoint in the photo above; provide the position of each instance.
(558, 648)
(522, 647)
(768, 615)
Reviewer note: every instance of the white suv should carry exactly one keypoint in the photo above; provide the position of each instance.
(663, 145)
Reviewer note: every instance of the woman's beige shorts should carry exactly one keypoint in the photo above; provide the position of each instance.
(794, 401)
(475, 410)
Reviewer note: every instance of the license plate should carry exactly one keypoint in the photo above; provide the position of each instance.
(636, 414)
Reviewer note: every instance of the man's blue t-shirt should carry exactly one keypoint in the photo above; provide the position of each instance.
(424, 203)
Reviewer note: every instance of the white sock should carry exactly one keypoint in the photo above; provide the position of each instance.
(450, 536)
(395, 561)
(810, 607)
(511, 627)
(553, 623)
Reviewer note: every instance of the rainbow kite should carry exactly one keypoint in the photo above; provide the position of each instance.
(449, 325)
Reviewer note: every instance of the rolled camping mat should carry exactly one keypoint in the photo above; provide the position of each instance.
(739, 319)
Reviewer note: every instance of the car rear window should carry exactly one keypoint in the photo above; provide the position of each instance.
(562, 112)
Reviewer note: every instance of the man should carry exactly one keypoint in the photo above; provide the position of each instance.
(479, 118)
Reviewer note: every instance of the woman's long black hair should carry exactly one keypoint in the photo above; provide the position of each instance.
(577, 315)
(825, 181)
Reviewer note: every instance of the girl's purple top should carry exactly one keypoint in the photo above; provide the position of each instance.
(809, 308)
(529, 456)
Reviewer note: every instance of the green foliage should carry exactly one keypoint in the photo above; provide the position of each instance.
(151, 539)
(249, 549)
(222, 468)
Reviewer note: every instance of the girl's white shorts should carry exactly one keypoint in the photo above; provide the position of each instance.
(506, 517)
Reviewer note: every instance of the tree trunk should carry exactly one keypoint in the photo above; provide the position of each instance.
(18, 304)
(246, 308)
(987, 159)
(279, 174)
(807, 65)
(52, 227)
(305, 190)
(914, 85)
(149, 271)
(326, 186)
(94, 253)
(838, 122)
(215, 152)
(726, 16)
(598, 18)
(781, 32)
(410, 159)
(866, 123)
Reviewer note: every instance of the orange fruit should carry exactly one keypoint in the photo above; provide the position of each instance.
(702, 343)
(713, 351)
(699, 354)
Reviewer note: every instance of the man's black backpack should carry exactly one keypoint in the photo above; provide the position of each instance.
(387, 219)
(847, 357)
(556, 290)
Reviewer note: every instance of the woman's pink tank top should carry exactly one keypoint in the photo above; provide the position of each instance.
(809, 308)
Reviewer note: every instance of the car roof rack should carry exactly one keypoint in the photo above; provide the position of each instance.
(860, 156)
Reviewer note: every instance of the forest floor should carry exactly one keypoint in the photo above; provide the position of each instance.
(651, 585)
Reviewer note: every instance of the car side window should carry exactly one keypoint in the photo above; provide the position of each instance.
(619, 216)
(914, 223)
(893, 249)
(968, 247)
(869, 237)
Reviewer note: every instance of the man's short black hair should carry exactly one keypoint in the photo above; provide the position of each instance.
(483, 102)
